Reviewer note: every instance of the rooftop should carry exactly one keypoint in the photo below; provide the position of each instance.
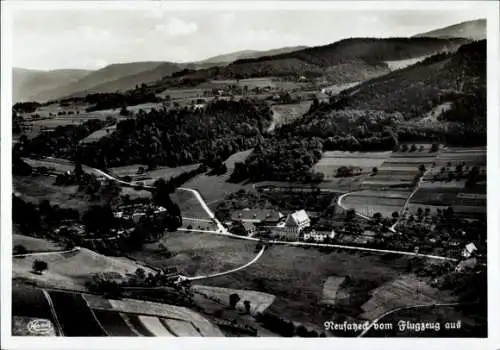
(256, 215)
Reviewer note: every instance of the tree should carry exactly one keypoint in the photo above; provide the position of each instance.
(247, 306)
(140, 273)
(421, 168)
(350, 214)
(395, 215)
(19, 249)
(233, 300)
(413, 148)
(39, 266)
(375, 170)
(377, 217)
(404, 148)
(434, 147)
(419, 211)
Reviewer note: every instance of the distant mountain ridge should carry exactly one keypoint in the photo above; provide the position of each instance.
(104, 75)
(249, 54)
(124, 76)
(344, 61)
(474, 30)
(27, 84)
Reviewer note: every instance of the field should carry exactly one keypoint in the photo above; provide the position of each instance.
(33, 244)
(189, 204)
(33, 189)
(74, 315)
(283, 114)
(258, 301)
(371, 202)
(337, 88)
(30, 302)
(215, 188)
(189, 323)
(297, 277)
(331, 288)
(400, 64)
(148, 177)
(99, 134)
(196, 253)
(465, 201)
(72, 269)
(179, 94)
(404, 291)
(332, 160)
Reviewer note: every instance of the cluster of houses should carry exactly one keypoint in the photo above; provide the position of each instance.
(135, 212)
(293, 227)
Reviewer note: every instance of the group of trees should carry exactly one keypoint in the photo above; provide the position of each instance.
(181, 136)
(286, 328)
(61, 142)
(287, 159)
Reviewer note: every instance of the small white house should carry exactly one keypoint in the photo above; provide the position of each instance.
(469, 250)
(319, 236)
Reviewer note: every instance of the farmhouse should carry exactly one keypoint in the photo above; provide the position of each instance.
(293, 226)
(319, 236)
(257, 216)
(250, 228)
(469, 250)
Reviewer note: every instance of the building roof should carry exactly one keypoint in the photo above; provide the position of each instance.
(297, 218)
(470, 247)
(256, 215)
(248, 226)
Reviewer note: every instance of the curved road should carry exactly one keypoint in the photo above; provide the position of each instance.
(47, 253)
(223, 231)
(196, 278)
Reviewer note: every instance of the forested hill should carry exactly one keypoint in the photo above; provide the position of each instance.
(182, 136)
(458, 78)
(343, 61)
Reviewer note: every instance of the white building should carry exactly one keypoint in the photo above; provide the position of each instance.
(319, 236)
(469, 250)
(293, 225)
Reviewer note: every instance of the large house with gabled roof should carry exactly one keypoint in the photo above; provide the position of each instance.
(292, 226)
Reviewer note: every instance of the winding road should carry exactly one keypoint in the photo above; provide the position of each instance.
(223, 231)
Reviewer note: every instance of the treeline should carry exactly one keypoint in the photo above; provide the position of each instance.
(417, 89)
(60, 142)
(134, 97)
(181, 136)
(280, 159)
(26, 107)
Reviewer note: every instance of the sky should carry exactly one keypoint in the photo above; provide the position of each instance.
(91, 39)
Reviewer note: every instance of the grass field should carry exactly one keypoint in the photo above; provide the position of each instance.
(259, 301)
(284, 114)
(405, 291)
(332, 160)
(33, 244)
(34, 189)
(297, 277)
(189, 204)
(99, 134)
(370, 202)
(215, 188)
(150, 176)
(196, 253)
(330, 289)
(74, 315)
(71, 270)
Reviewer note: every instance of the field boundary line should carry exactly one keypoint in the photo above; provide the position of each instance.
(48, 253)
(404, 308)
(54, 313)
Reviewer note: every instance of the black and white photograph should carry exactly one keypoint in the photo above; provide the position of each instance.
(268, 169)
